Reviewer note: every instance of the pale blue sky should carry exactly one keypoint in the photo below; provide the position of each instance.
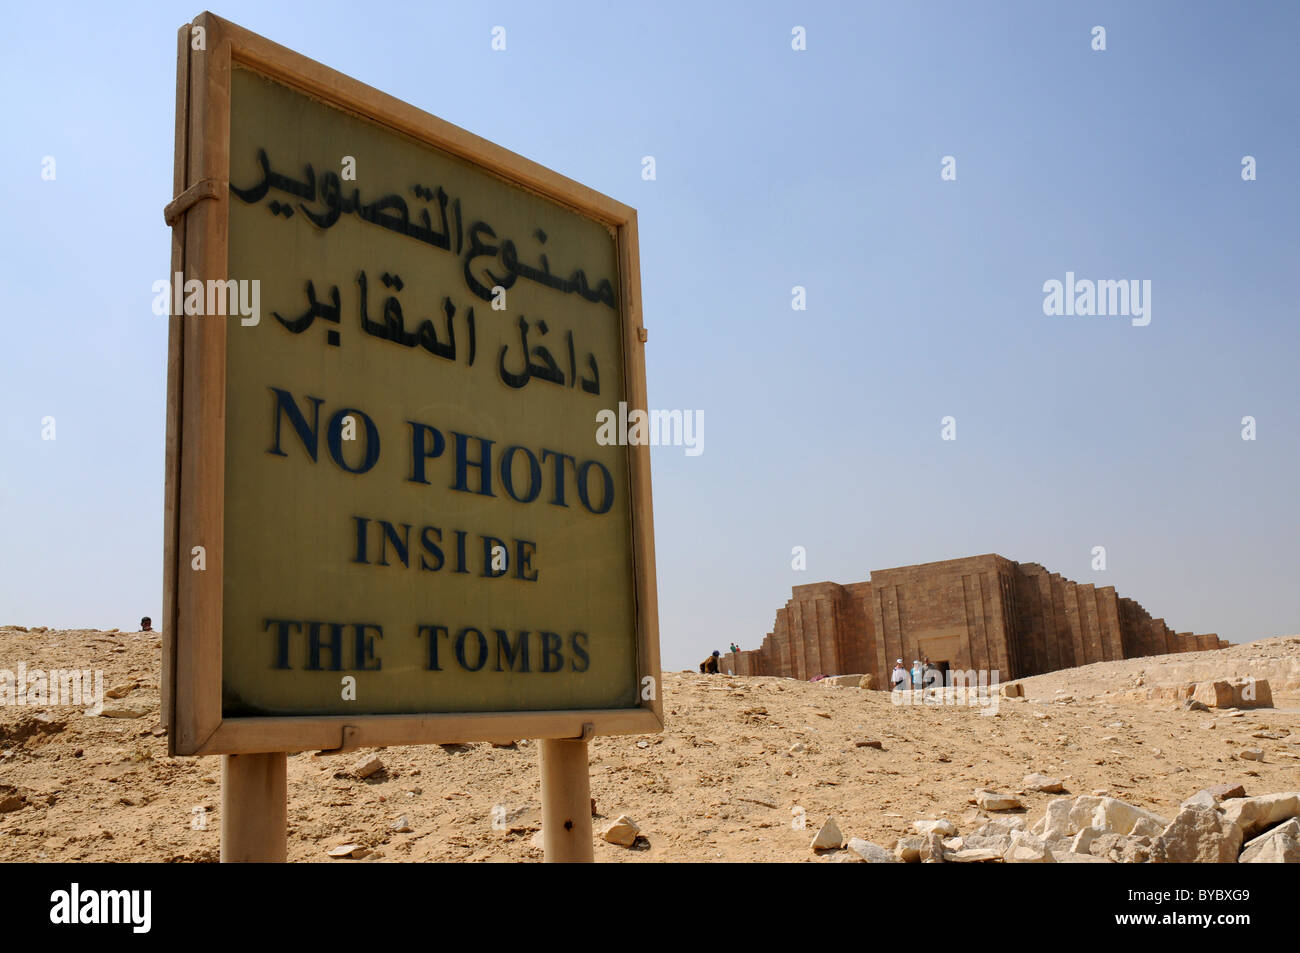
(775, 168)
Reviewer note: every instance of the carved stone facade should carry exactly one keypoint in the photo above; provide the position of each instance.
(982, 612)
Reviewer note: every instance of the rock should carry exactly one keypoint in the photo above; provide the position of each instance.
(932, 848)
(797, 748)
(1222, 791)
(1193, 705)
(943, 827)
(1069, 857)
(871, 853)
(1005, 825)
(1256, 814)
(120, 711)
(868, 743)
(1147, 827)
(1217, 694)
(1281, 845)
(120, 691)
(996, 801)
(908, 849)
(1107, 845)
(537, 842)
(1041, 782)
(367, 767)
(1013, 690)
(1117, 817)
(972, 855)
(991, 841)
(1199, 834)
(1237, 693)
(1027, 849)
(1274, 850)
(1251, 754)
(848, 681)
(1081, 812)
(1056, 823)
(1201, 799)
(1082, 842)
(622, 831)
(995, 835)
(401, 825)
(355, 851)
(1252, 693)
(829, 837)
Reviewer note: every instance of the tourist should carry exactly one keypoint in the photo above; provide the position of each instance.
(931, 674)
(710, 665)
(146, 624)
(916, 673)
(899, 678)
(735, 649)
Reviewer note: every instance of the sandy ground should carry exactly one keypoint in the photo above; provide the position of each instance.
(719, 784)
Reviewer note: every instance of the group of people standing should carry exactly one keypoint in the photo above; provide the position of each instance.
(924, 674)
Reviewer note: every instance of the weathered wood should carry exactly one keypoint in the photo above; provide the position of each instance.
(254, 808)
(566, 802)
(197, 393)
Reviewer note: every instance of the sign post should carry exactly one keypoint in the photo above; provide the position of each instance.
(392, 514)
(566, 801)
(254, 808)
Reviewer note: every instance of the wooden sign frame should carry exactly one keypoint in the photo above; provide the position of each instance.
(196, 400)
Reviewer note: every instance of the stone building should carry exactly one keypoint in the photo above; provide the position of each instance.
(981, 612)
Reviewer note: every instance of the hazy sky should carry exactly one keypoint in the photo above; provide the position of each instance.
(819, 168)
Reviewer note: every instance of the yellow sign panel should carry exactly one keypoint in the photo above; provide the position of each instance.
(414, 493)
(412, 514)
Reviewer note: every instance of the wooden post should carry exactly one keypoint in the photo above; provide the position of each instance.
(254, 808)
(566, 801)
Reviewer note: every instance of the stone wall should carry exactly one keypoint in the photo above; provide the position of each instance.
(981, 612)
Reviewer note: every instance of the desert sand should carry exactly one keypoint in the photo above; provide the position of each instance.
(738, 761)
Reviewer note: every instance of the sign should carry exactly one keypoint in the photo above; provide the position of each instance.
(389, 520)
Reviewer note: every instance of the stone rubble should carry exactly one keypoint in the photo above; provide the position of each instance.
(1209, 828)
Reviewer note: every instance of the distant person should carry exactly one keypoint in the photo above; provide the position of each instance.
(735, 649)
(710, 665)
(931, 673)
(916, 673)
(899, 677)
(146, 624)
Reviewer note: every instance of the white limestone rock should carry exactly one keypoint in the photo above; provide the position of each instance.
(1199, 834)
(829, 837)
(621, 831)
